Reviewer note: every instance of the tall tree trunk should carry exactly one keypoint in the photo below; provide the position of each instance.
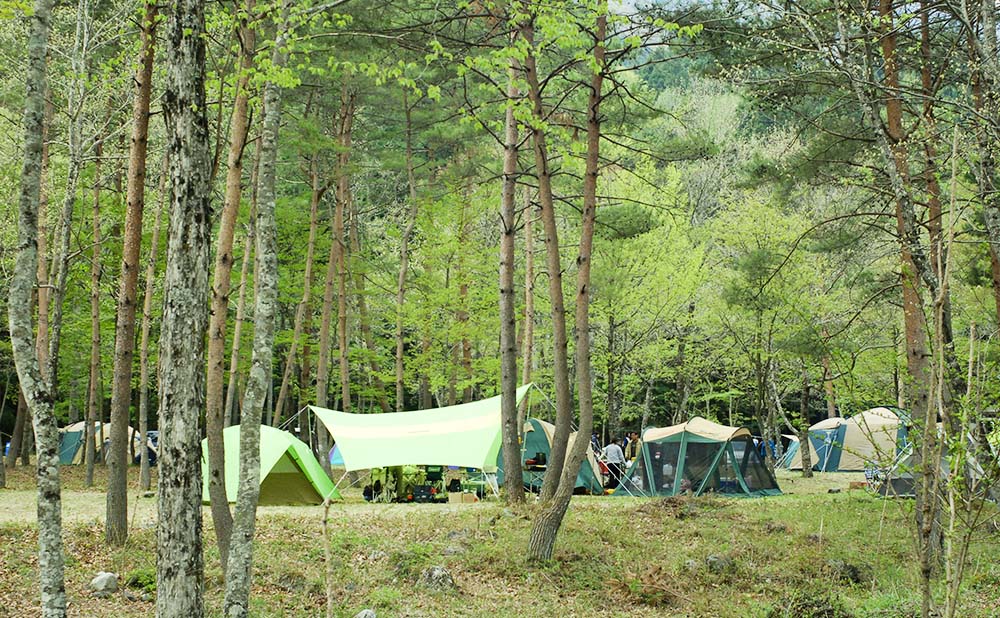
(94, 402)
(179, 563)
(831, 394)
(915, 326)
(147, 322)
(325, 348)
(404, 256)
(614, 414)
(248, 243)
(560, 361)
(803, 432)
(121, 381)
(222, 519)
(528, 334)
(42, 292)
(543, 534)
(239, 568)
(303, 307)
(17, 434)
(513, 482)
(363, 319)
(37, 392)
(343, 194)
(426, 397)
(75, 100)
(463, 352)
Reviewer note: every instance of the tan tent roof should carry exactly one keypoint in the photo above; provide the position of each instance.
(700, 427)
(828, 423)
(870, 437)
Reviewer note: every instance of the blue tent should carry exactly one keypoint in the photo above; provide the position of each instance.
(336, 459)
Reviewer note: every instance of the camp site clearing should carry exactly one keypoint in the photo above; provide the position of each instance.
(707, 556)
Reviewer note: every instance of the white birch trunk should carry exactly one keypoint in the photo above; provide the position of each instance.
(36, 391)
(180, 565)
(240, 564)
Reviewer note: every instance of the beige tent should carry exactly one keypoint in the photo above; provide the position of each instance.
(871, 438)
(71, 438)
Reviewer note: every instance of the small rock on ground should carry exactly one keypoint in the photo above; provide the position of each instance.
(366, 613)
(437, 578)
(718, 564)
(104, 584)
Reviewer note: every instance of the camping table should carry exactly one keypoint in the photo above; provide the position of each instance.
(533, 475)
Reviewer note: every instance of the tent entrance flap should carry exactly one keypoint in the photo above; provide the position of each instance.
(466, 435)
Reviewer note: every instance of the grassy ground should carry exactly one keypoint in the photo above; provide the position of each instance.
(846, 552)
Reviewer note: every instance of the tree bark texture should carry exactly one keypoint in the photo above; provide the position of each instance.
(36, 389)
(121, 381)
(75, 97)
(147, 323)
(546, 527)
(239, 567)
(364, 322)
(304, 306)
(343, 194)
(513, 482)
(528, 334)
(560, 361)
(915, 327)
(94, 402)
(404, 257)
(180, 565)
(222, 519)
(325, 348)
(248, 252)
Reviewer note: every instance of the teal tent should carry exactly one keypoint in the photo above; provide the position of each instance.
(700, 457)
(289, 472)
(536, 444)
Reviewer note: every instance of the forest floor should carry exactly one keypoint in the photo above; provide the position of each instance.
(806, 553)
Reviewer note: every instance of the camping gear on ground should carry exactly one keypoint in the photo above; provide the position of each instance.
(71, 446)
(536, 444)
(289, 472)
(701, 457)
(872, 438)
(466, 435)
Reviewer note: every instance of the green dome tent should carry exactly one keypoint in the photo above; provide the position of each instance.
(289, 472)
(698, 456)
(536, 445)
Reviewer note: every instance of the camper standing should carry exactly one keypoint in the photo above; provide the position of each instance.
(615, 459)
(632, 447)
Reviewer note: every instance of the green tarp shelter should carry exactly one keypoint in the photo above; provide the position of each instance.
(701, 457)
(466, 435)
(289, 472)
(536, 444)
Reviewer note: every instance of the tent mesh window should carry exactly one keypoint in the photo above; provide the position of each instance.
(663, 466)
(724, 478)
(755, 473)
(698, 465)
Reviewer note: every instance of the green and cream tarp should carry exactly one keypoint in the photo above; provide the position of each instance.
(466, 435)
(289, 472)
